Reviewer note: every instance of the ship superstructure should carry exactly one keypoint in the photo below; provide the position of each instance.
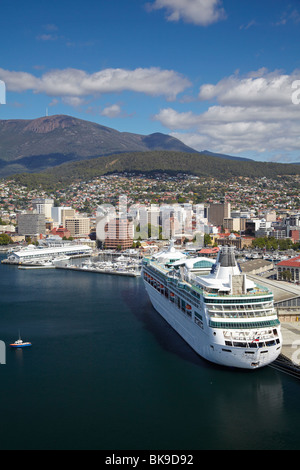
(224, 316)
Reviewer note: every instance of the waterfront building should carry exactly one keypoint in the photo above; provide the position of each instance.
(54, 241)
(34, 254)
(289, 269)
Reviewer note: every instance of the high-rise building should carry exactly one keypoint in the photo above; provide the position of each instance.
(217, 213)
(31, 224)
(59, 214)
(233, 225)
(119, 234)
(43, 206)
(77, 225)
(67, 213)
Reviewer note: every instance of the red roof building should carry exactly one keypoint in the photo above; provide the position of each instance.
(289, 269)
(209, 252)
(61, 232)
(292, 262)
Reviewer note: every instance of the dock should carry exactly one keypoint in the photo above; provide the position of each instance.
(289, 359)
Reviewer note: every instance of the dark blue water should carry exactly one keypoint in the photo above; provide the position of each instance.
(106, 372)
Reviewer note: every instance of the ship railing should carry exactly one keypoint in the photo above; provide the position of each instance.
(249, 337)
(159, 267)
(252, 293)
(257, 290)
(241, 312)
(192, 278)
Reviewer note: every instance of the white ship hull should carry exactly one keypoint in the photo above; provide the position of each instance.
(208, 342)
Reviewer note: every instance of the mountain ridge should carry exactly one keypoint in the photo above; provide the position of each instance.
(35, 145)
(152, 163)
(39, 144)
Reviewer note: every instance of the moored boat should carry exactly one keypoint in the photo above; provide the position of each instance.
(20, 343)
(224, 316)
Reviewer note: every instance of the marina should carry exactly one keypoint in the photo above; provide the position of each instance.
(130, 265)
(75, 258)
(129, 268)
(136, 371)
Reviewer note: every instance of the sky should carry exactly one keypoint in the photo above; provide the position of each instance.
(220, 75)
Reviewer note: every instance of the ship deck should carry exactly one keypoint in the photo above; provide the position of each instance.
(196, 286)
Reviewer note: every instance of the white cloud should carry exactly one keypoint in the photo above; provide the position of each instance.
(18, 81)
(199, 12)
(245, 114)
(111, 111)
(174, 120)
(257, 89)
(77, 83)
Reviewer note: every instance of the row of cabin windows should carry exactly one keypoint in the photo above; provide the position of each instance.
(181, 304)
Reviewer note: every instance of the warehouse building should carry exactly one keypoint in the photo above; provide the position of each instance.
(33, 254)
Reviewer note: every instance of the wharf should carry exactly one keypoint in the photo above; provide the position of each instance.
(289, 360)
(34, 266)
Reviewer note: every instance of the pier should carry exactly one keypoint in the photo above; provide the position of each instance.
(289, 360)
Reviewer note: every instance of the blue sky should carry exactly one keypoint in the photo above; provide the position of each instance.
(216, 74)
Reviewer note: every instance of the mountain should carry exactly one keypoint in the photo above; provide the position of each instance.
(153, 162)
(39, 144)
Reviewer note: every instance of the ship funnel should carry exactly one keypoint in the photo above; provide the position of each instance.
(226, 257)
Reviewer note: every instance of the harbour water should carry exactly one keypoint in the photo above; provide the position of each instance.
(106, 372)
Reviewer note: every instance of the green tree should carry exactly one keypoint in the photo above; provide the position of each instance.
(286, 275)
(5, 239)
(207, 239)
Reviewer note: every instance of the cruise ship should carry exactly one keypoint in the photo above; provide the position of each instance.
(224, 316)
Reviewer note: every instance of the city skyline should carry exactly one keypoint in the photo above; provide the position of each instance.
(218, 75)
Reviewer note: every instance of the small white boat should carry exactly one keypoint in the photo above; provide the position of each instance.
(20, 344)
